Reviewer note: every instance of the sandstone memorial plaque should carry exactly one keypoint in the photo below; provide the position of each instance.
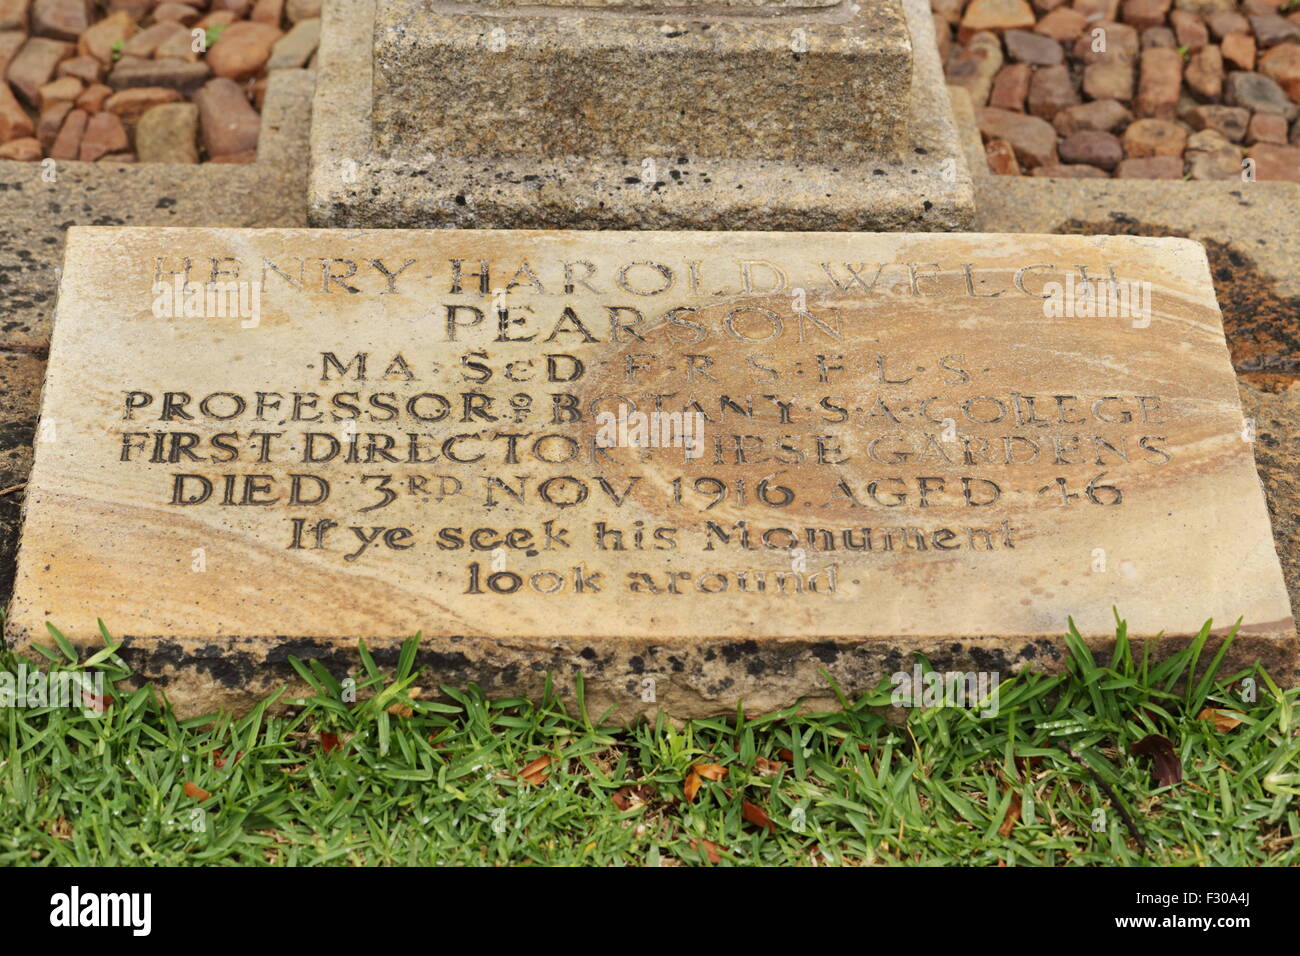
(696, 468)
(725, 114)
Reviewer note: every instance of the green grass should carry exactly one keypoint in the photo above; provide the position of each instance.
(862, 785)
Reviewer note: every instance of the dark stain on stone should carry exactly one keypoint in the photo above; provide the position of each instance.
(228, 669)
(304, 648)
(16, 434)
(826, 652)
(731, 653)
(989, 660)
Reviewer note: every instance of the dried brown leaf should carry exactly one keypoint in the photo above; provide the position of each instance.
(60, 829)
(1168, 769)
(195, 791)
(710, 849)
(710, 771)
(692, 786)
(767, 768)
(1224, 720)
(1012, 818)
(535, 772)
(219, 759)
(630, 798)
(757, 816)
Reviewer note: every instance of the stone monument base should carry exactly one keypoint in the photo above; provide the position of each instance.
(926, 186)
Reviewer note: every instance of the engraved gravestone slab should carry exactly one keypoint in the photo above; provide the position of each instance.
(853, 446)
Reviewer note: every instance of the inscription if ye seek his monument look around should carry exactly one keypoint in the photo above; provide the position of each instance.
(580, 439)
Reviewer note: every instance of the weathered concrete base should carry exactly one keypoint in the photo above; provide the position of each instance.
(270, 192)
(820, 81)
(684, 678)
(1276, 417)
(352, 184)
(21, 374)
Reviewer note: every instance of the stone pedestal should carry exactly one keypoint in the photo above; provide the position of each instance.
(714, 81)
(730, 115)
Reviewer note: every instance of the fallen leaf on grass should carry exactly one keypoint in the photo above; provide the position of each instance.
(1224, 720)
(219, 760)
(535, 772)
(692, 786)
(767, 768)
(628, 798)
(710, 849)
(195, 791)
(60, 829)
(399, 709)
(757, 816)
(1012, 818)
(710, 771)
(786, 754)
(1168, 768)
